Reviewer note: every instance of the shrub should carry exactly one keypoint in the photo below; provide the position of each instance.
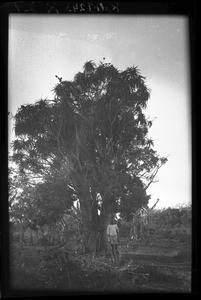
(171, 223)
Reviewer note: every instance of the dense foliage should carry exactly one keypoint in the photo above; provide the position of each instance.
(165, 224)
(89, 144)
(172, 223)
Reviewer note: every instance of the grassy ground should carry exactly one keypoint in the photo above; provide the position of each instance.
(155, 267)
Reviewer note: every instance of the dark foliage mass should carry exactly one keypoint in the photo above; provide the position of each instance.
(89, 144)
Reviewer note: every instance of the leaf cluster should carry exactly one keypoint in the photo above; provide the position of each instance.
(93, 134)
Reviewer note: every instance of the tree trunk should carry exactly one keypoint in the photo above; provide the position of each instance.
(102, 242)
(88, 232)
(96, 238)
(94, 229)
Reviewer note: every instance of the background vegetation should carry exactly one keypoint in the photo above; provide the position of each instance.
(165, 256)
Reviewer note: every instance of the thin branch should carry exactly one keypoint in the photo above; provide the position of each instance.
(155, 204)
(153, 176)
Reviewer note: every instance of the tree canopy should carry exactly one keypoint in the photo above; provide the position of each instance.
(92, 139)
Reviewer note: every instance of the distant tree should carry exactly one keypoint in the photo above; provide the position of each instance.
(91, 140)
(40, 204)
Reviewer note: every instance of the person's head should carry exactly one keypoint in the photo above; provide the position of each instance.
(112, 220)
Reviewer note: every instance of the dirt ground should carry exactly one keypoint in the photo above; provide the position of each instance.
(152, 268)
(168, 266)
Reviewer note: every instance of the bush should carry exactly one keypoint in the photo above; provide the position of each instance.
(171, 223)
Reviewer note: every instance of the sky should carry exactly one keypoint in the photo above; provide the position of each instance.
(42, 46)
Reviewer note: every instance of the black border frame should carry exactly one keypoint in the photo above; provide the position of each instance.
(186, 8)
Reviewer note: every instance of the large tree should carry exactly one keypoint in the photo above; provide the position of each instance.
(92, 137)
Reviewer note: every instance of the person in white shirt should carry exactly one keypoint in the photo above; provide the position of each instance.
(113, 236)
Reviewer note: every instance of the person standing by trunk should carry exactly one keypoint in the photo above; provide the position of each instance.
(113, 237)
